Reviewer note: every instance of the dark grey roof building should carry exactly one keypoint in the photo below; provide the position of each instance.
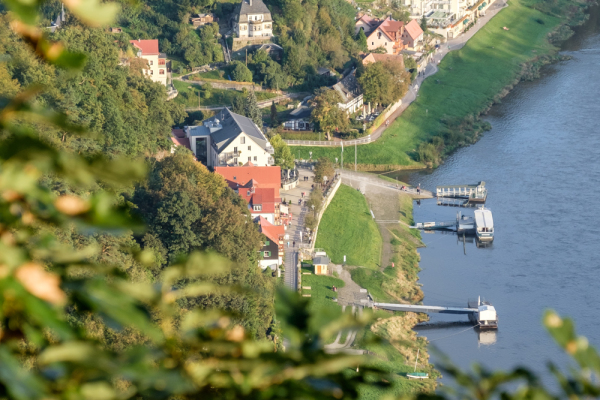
(229, 139)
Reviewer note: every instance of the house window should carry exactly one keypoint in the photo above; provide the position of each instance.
(249, 158)
(235, 150)
(151, 72)
(249, 148)
(378, 35)
(243, 140)
(151, 62)
(161, 72)
(267, 242)
(255, 158)
(235, 161)
(373, 43)
(385, 43)
(267, 254)
(257, 207)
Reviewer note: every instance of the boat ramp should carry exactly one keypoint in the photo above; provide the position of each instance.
(468, 193)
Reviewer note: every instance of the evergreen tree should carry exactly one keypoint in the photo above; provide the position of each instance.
(274, 121)
(423, 23)
(361, 39)
(251, 109)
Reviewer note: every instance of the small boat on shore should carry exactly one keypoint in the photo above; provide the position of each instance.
(415, 374)
(484, 224)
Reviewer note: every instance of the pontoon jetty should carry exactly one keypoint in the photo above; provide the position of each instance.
(468, 193)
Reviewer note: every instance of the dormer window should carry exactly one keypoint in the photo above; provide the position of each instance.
(234, 178)
(257, 207)
(248, 193)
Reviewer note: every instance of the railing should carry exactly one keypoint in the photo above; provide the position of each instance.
(326, 143)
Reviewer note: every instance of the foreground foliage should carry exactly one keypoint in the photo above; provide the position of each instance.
(51, 281)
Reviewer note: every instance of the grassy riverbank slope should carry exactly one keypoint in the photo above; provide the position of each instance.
(347, 228)
(467, 83)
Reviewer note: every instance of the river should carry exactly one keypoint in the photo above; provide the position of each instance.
(541, 164)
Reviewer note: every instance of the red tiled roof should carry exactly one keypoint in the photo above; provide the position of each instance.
(181, 142)
(148, 47)
(413, 29)
(374, 57)
(264, 177)
(273, 232)
(179, 133)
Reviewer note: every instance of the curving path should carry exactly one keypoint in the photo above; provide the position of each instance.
(431, 68)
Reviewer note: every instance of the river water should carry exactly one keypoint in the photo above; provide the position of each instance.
(541, 164)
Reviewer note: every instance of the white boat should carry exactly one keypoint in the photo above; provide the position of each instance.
(484, 224)
(485, 317)
(415, 374)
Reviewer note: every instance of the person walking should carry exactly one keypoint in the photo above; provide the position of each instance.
(294, 244)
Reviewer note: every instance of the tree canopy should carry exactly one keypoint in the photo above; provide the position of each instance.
(384, 82)
(326, 113)
(283, 155)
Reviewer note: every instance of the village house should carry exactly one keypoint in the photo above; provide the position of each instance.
(350, 93)
(158, 65)
(229, 139)
(386, 34)
(253, 19)
(367, 24)
(259, 186)
(202, 19)
(412, 37)
(299, 119)
(272, 251)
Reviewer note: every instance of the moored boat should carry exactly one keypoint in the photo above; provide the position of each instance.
(484, 224)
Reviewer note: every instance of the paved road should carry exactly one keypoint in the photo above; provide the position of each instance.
(297, 226)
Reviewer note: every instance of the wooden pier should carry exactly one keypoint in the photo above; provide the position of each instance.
(471, 193)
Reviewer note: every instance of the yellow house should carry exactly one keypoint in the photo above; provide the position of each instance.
(321, 263)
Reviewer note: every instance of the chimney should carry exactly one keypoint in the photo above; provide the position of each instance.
(139, 40)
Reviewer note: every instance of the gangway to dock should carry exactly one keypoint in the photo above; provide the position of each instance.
(481, 313)
(472, 193)
(425, 309)
(435, 225)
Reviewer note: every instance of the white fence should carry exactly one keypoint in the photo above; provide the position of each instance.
(325, 143)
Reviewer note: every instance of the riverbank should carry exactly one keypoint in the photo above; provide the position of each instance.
(348, 228)
(469, 80)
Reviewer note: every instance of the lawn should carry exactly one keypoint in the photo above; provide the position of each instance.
(215, 74)
(467, 82)
(398, 282)
(347, 228)
(189, 93)
(321, 289)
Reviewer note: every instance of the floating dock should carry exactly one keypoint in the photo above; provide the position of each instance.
(481, 313)
(462, 224)
(470, 193)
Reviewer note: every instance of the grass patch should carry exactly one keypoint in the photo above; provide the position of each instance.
(468, 81)
(398, 282)
(321, 291)
(347, 228)
(216, 74)
(190, 95)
